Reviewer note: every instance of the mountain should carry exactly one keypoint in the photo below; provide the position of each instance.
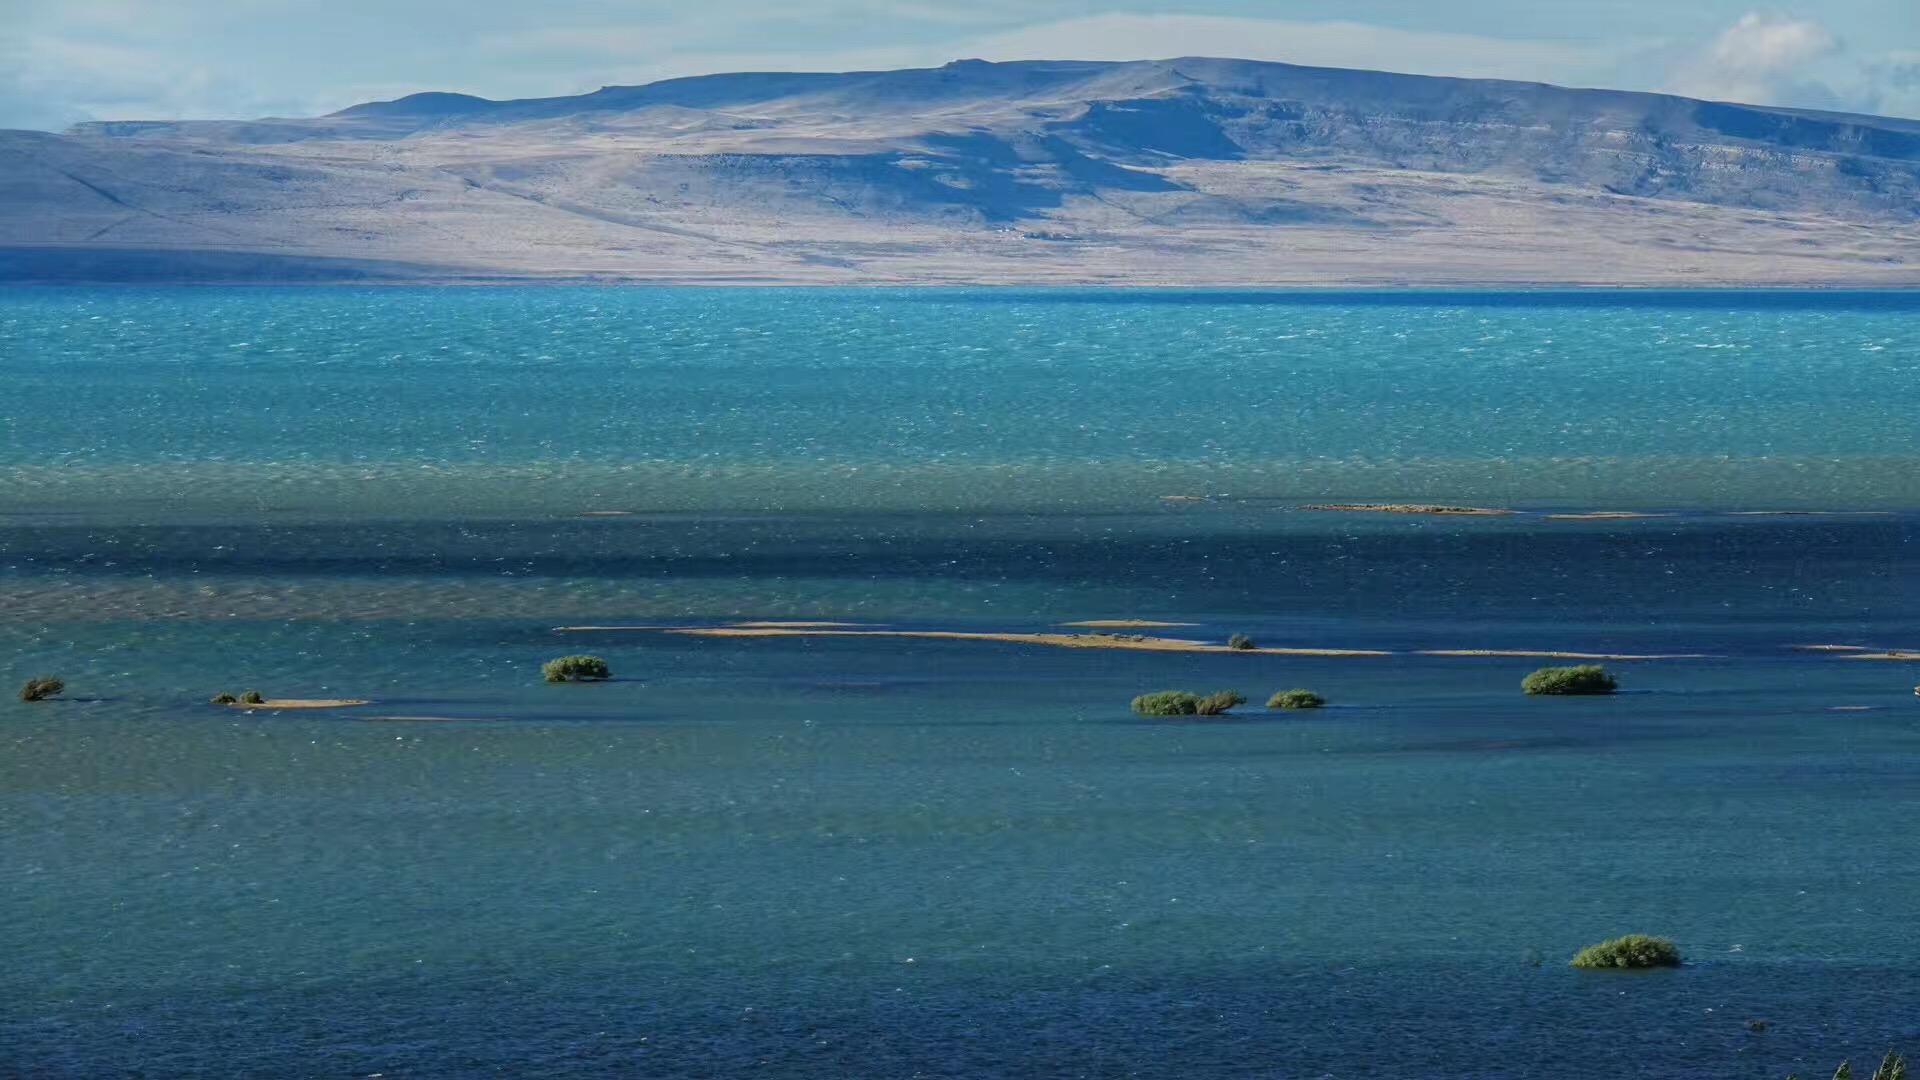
(1189, 171)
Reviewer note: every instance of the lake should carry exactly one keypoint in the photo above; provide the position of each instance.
(809, 855)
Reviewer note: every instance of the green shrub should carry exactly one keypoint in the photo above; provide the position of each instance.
(1168, 703)
(1584, 679)
(252, 697)
(1631, 951)
(575, 669)
(1186, 703)
(1295, 699)
(1240, 641)
(225, 699)
(1218, 702)
(41, 689)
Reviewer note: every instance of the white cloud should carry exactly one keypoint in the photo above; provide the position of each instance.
(1893, 84)
(1761, 59)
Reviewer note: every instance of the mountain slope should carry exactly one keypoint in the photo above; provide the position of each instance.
(1184, 171)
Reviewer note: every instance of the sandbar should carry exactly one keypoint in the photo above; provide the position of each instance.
(795, 624)
(1604, 515)
(1412, 508)
(1861, 652)
(1138, 642)
(1558, 655)
(1097, 624)
(429, 719)
(299, 703)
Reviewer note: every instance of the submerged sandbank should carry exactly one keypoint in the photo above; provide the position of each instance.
(796, 624)
(1807, 513)
(298, 703)
(429, 719)
(1605, 515)
(1862, 652)
(1554, 654)
(1139, 642)
(1135, 642)
(1413, 508)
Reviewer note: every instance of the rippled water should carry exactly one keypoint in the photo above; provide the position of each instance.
(554, 399)
(879, 856)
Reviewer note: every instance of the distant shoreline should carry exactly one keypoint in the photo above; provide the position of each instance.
(1304, 288)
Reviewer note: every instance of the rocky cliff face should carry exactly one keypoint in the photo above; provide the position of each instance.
(1182, 171)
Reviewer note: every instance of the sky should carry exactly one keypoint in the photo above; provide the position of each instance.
(63, 61)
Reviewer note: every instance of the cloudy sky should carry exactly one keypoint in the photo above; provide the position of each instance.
(68, 60)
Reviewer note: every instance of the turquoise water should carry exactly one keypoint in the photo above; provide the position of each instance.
(551, 399)
(879, 856)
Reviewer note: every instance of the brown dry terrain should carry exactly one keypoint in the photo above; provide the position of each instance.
(1180, 172)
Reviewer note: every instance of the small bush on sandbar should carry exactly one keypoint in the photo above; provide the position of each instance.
(1240, 641)
(225, 699)
(1584, 679)
(252, 697)
(1295, 699)
(575, 669)
(1631, 951)
(41, 689)
(1186, 703)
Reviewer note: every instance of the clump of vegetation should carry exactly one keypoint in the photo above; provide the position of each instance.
(225, 699)
(1583, 679)
(252, 697)
(575, 669)
(42, 688)
(1186, 703)
(1631, 951)
(1167, 703)
(1295, 699)
(1218, 702)
(1240, 641)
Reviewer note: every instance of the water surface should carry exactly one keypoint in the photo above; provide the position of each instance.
(823, 857)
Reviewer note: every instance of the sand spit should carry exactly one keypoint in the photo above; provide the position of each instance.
(1604, 515)
(1862, 652)
(1555, 655)
(300, 703)
(429, 719)
(1412, 508)
(1113, 624)
(1138, 642)
(606, 513)
(795, 625)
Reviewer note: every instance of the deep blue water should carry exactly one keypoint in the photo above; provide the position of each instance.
(886, 856)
